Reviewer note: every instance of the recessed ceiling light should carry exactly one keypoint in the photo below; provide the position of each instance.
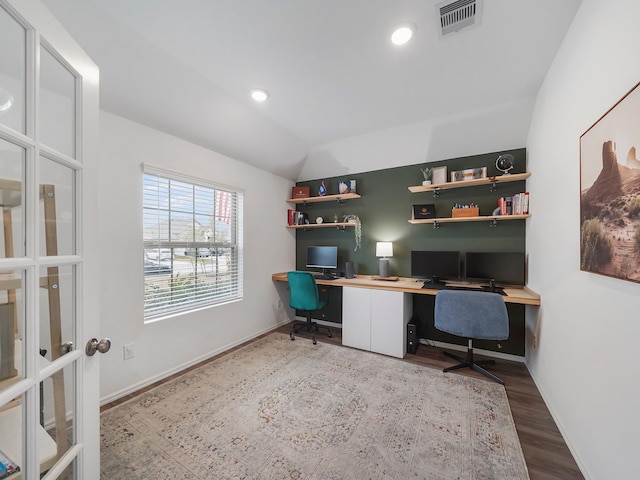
(259, 94)
(403, 33)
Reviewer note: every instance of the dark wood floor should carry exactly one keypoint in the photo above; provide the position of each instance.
(545, 451)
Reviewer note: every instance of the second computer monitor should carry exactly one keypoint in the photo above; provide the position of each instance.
(496, 267)
(434, 266)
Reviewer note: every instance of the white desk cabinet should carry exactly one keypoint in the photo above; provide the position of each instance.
(376, 320)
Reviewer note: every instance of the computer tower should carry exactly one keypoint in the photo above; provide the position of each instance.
(412, 338)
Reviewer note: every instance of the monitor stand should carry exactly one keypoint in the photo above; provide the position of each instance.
(493, 288)
(325, 275)
(434, 283)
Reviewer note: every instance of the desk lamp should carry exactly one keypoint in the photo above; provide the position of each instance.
(384, 250)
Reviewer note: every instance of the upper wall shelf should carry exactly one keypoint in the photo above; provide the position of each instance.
(309, 226)
(492, 219)
(491, 181)
(325, 198)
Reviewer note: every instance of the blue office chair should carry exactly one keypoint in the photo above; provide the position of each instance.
(472, 314)
(304, 295)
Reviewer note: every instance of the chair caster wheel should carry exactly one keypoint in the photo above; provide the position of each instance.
(329, 335)
(315, 342)
(292, 337)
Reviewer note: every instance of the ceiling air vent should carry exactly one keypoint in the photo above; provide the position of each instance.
(458, 14)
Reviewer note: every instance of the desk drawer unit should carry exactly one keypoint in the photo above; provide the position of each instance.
(376, 320)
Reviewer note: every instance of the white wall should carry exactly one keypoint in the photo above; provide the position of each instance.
(166, 346)
(439, 139)
(586, 360)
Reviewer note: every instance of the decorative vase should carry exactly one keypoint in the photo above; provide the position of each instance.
(426, 182)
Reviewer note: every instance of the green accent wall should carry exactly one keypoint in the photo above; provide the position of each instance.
(385, 208)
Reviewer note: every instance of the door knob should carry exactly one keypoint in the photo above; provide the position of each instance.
(94, 345)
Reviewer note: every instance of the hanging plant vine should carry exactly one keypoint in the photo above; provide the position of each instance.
(357, 229)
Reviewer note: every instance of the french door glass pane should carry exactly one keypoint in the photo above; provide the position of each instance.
(57, 104)
(12, 432)
(58, 414)
(57, 311)
(11, 328)
(11, 182)
(57, 214)
(12, 72)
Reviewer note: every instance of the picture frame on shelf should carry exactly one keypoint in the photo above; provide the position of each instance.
(346, 186)
(469, 174)
(439, 175)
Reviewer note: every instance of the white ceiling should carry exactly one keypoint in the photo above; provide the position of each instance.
(186, 67)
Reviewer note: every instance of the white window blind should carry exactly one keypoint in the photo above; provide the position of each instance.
(192, 243)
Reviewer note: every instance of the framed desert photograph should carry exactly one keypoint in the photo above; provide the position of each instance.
(610, 192)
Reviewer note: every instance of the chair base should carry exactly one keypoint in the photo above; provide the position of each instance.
(310, 326)
(470, 363)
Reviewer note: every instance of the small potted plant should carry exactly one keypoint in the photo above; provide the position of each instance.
(426, 173)
(357, 229)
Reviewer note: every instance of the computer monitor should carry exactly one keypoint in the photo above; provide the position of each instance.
(324, 257)
(500, 268)
(434, 266)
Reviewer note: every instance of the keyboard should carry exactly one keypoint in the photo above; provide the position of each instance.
(470, 288)
(482, 288)
(325, 277)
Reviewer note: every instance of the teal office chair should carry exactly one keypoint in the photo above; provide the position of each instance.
(304, 295)
(472, 314)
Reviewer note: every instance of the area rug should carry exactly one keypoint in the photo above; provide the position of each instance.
(277, 409)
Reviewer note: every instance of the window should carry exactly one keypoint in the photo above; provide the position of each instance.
(192, 243)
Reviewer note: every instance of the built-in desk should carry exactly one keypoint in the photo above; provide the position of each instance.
(523, 296)
(375, 313)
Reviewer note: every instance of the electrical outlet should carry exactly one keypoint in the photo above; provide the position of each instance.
(279, 303)
(128, 351)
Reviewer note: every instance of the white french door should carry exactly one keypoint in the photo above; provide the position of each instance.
(49, 268)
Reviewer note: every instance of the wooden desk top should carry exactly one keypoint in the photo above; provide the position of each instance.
(523, 295)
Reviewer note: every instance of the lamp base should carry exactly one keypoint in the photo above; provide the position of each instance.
(384, 267)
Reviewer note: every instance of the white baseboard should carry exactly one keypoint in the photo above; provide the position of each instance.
(574, 453)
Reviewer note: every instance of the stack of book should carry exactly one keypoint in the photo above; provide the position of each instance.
(517, 204)
(296, 218)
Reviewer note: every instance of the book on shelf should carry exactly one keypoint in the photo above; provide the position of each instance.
(517, 204)
(423, 212)
(297, 218)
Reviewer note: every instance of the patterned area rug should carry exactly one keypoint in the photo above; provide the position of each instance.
(278, 409)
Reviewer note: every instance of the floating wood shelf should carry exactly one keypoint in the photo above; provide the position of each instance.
(309, 226)
(325, 198)
(491, 181)
(492, 219)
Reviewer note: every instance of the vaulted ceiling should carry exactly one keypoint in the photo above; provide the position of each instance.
(186, 67)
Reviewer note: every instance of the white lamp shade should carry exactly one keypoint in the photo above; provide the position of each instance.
(384, 249)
